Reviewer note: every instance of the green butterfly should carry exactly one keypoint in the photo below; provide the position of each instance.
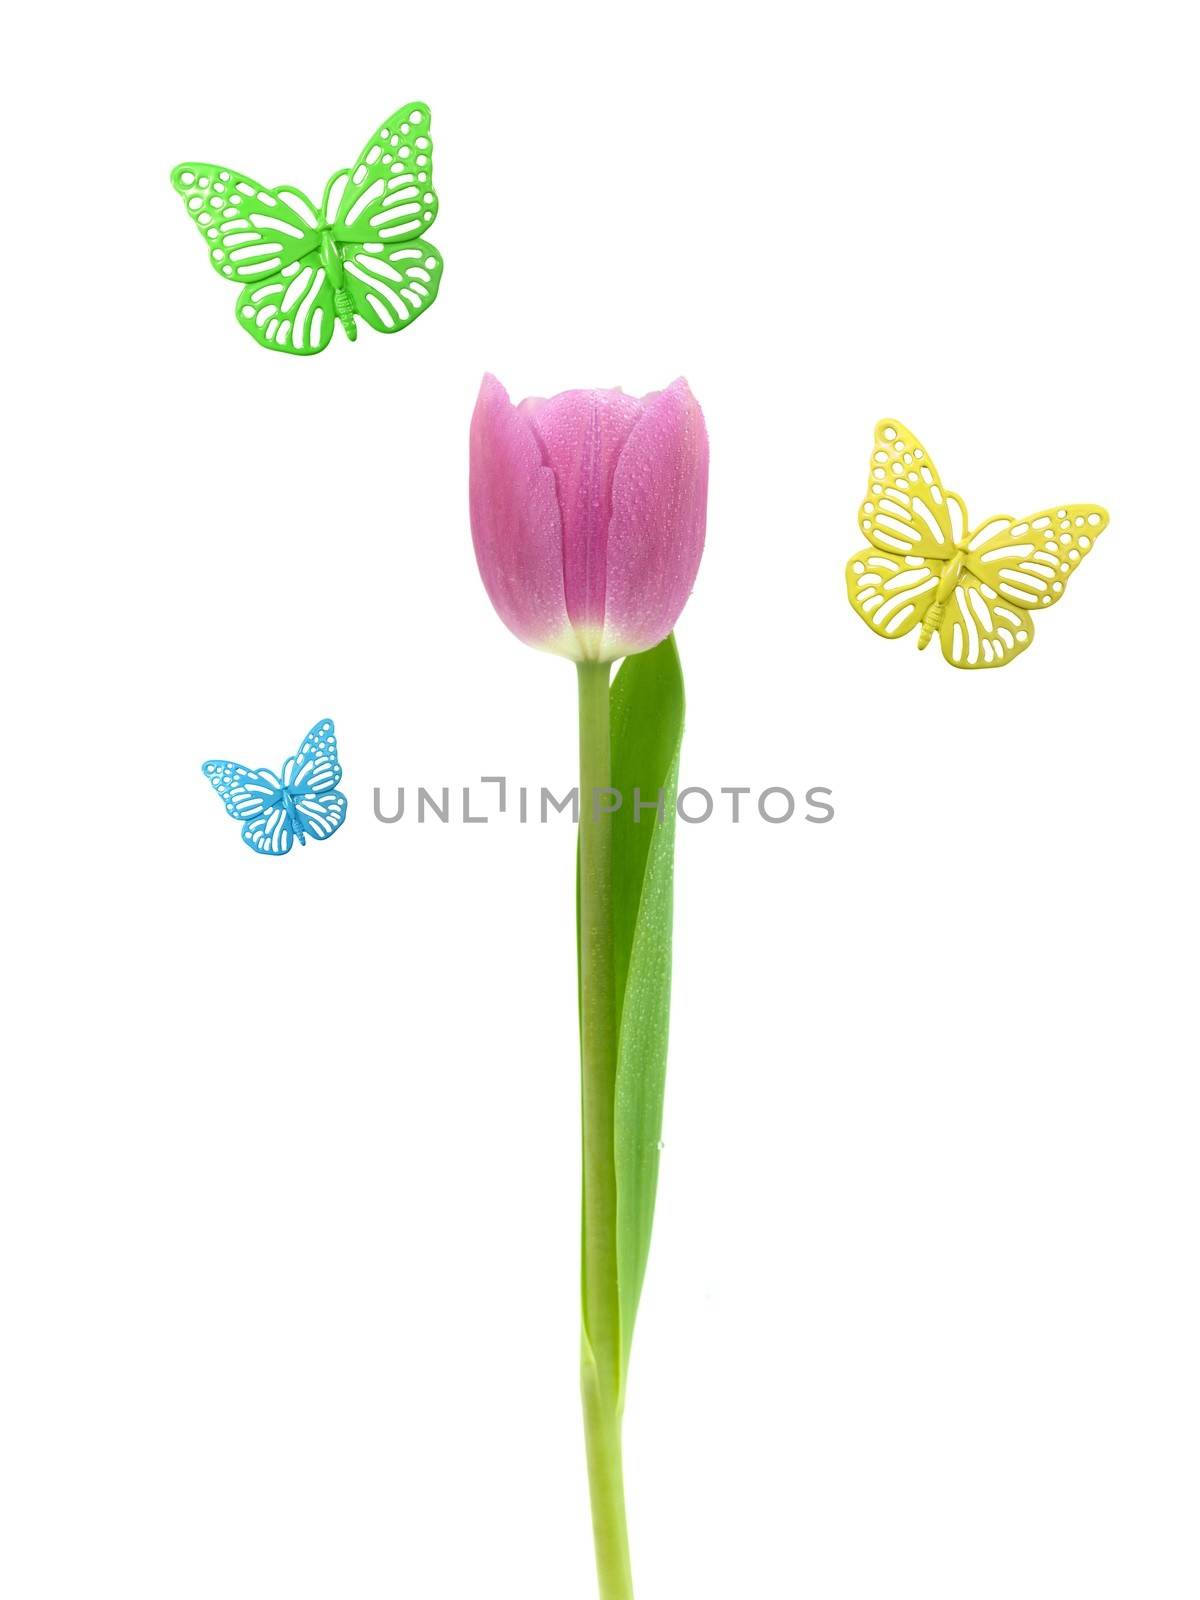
(361, 255)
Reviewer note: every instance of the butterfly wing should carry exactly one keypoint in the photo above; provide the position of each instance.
(981, 627)
(311, 776)
(1013, 569)
(250, 232)
(390, 285)
(292, 310)
(315, 766)
(1028, 563)
(271, 834)
(320, 815)
(388, 195)
(245, 791)
(906, 511)
(892, 593)
(378, 210)
(253, 797)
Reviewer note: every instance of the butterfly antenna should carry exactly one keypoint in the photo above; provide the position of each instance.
(344, 307)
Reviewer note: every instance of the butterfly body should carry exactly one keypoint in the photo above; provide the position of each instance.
(977, 589)
(287, 798)
(331, 260)
(946, 587)
(275, 809)
(359, 256)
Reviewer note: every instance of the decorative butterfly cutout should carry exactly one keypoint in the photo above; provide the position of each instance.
(976, 590)
(360, 255)
(304, 803)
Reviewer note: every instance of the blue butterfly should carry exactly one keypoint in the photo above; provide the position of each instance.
(304, 803)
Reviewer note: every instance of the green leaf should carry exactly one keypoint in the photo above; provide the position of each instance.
(646, 709)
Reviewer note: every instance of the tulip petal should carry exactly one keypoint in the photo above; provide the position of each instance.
(656, 536)
(582, 434)
(516, 525)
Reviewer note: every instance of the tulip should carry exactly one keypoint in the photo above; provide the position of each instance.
(587, 513)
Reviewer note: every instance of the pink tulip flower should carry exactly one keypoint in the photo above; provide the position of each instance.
(587, 513)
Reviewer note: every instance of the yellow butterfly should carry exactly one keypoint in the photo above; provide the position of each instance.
(976, 590)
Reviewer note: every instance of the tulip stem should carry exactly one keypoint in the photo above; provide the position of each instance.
(601, 1345)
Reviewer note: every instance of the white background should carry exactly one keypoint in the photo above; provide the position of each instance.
(289, 1148)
